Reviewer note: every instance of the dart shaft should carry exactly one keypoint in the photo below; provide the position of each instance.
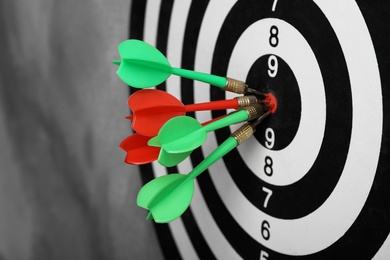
(238, 137)
(214, 105)
(217, 154)
(200, 76)
(231, 119)
(227, 84)
(247, 113)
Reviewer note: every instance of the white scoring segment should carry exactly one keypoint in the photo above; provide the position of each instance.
(326, 225)
(293, 162)
(151, 23)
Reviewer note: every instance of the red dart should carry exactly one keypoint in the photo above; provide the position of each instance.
(152, 108)
(138, 150)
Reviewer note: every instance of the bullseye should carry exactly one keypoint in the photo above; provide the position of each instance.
(271, 101)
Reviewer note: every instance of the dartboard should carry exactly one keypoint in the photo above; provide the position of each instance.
(314, 181)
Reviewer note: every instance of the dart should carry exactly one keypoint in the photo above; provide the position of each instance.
(184, 133)
(181, 135)
(152, 108)
(138, 151)
(167, 197)
(144, 66)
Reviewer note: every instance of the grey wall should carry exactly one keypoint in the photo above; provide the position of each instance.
(65, 192)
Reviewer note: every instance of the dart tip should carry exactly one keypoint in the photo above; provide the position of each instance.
(116, 62)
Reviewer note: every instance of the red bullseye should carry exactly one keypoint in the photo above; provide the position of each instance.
(271, 101)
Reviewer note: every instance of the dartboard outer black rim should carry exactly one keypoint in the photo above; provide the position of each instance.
(371, 227)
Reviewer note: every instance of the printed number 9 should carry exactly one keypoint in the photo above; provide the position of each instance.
(273, 66)
(269, 138)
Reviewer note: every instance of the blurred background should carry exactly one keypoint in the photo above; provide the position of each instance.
(65, 192)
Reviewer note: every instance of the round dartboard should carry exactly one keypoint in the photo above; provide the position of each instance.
(314, 181)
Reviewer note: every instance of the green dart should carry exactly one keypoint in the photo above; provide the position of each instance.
(179, 136)
(144, 66)
(167, 197)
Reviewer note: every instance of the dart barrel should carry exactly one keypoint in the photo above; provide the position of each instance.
(246, 101)
(254, 111)
(243, 133)
(235, 86)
